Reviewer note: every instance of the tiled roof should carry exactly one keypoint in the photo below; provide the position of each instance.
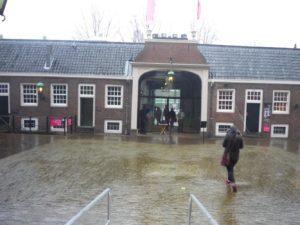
(109, 58)
(252, 63)
(162, 51)
(70, 57)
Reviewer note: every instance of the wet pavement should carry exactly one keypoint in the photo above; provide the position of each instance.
(47, 179)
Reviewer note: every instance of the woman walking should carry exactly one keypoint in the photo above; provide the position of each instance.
(232, 143)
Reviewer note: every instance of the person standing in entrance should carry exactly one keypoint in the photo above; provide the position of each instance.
(143, 120)
(172, 119)
(157, 114)
(232, 143)
(166, 114)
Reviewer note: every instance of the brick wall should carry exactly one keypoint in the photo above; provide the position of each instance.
(292, 119)
(44, 108)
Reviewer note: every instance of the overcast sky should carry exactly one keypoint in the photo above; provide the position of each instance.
(272, 23)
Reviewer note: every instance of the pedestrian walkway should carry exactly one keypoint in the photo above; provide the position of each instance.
(48, 179)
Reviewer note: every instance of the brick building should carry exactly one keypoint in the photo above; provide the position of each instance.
(101, 86)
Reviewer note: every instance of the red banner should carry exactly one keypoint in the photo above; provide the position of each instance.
(150, 11)
(198, 10)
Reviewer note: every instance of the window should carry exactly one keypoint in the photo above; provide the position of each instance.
(29, 95)
(4, 89)
(87, 90)
(254, 95)
(59, 95)
(226, 100)
(221, 128)
(29, 124)
(280, 130)
(114, 96)
(281, 102)
(113, 126)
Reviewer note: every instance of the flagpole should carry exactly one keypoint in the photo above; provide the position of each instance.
(150, 17)
(196, 18)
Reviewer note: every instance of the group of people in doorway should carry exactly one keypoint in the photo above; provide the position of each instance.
(166, 117)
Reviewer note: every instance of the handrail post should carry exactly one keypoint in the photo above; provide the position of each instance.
(108, 208)
(190, 211)
(90, 205)
(202, 208)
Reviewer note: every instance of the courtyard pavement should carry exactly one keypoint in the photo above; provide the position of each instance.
(47, 179)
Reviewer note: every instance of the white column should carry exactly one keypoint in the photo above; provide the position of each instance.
(204, 95)
(134, 98)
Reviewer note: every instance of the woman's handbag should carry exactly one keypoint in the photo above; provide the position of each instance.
(225, 158)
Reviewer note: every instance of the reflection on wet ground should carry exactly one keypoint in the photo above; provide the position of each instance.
(46, 179)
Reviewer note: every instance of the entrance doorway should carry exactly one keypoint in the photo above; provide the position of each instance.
(184, 96)
(252, 119)
(253, 111)
(86, 112)
(86, 105)
(4, 105)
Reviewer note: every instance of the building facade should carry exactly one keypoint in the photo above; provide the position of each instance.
(102, 86)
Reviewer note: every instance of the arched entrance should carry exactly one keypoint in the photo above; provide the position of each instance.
(183, 95)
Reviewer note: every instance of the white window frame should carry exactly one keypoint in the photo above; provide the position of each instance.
(113, 131)
(23, 128)
(221, 134)
(232, 100)
(253, 100)
(286, 135)
(34, 94)
(7, 87)
(53, 104)
(106, 97)
(287, 111)
(87, 95)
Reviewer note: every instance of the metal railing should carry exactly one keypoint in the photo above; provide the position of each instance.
(202, 208)
(90, 205)
(5, 122)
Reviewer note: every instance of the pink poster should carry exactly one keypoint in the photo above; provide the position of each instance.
(266, 128)
(70, 121)
(55, 122)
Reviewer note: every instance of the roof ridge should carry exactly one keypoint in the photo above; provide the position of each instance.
(247, 46)
(69, 41)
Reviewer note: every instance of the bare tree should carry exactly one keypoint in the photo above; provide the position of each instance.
(206, 34)
(137, 30)
(96, 26)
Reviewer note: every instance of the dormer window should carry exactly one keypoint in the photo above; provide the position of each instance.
(49, 58)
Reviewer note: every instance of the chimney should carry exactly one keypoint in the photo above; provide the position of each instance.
(184, 36)
(49, 57)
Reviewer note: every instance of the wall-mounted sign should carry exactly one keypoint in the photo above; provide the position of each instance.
(267, 110)
(69, 121)
(267, 116)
